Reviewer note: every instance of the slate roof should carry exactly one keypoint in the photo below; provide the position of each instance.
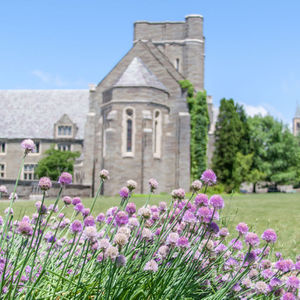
(137, 74)
(32, 113)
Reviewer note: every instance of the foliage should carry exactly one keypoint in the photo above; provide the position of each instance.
(55, 163)
(230, 137)
(199, 128)
(161, 252)
(276, 151)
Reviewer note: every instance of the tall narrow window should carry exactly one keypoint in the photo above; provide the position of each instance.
(128, 132)
(157, 134)
(177, 64)
(2, 170)
(2, 147)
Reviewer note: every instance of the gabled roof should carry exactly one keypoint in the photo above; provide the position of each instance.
(33, 113)
(137, 74)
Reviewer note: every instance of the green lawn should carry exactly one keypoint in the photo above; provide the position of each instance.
(278, 211)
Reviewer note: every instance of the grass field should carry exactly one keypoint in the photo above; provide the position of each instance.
(260, 211)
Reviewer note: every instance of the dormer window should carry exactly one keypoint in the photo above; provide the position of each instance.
(64, 131)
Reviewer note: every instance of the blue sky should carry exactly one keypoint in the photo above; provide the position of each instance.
(252, 46)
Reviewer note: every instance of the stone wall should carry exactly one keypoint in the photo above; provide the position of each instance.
(27, 188)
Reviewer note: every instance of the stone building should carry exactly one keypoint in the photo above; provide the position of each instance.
(134, 123)
(138, 125)
(296, 122)
(49, 117)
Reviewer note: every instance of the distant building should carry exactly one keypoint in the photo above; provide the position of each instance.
(296, 122)
(134, 123)
(49, 117)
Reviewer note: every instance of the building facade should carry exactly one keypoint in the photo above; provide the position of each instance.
(134, 123)
(138, 125)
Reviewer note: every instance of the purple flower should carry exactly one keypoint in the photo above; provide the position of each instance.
(52, 208)
(65, 178)
(3, 189)
(76, 200)
(79, 207)
(131, 185)
(223, 233)
(76, 226)
(216, 201)
(13, 196)
(236, 244)
(178, 194)
(275, 282)
(284, 265)
(269, 236)
(130, 208)
(124, 192)
(28, 145)
(25, 228)
(209, 177)
(151, 266)
(121, 261)
(45, 183)
(100, 218)
(90, 233)
(242, 228)
(172, 238)
(213, 227)
(104, 174)
(221, 248)
(67, 200)
(267, 273)
(183, 242)
(162, 206)
(42, 209)
(85, 212)
(153, 184)
(89, 221)
(293, 282)
(288, 296)
(189, 217)
(201, 199)
(252, 239)
(196, 186)
(204, 213)
(121, 218)
(261, 288)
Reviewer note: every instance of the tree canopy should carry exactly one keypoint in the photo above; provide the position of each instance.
(55, 162)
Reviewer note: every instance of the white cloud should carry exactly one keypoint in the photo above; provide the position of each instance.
(49, 79)
(255, 110)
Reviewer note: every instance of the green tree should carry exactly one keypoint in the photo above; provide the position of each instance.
(55, 162)
(276, 150)
(199, 128)
(228, 135)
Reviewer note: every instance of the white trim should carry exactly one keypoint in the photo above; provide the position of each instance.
(65, 136)
(23, 171)
(181, 42)
(125, 117)
(4, 164)
(157, 134)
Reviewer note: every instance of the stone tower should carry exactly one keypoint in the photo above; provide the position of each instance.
(296, 122)
(181, 42)
(138, 125)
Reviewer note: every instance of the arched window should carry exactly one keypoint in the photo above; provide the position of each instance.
(128, 132)
(157, 133)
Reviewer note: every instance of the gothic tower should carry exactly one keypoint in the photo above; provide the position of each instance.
(296, 121)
